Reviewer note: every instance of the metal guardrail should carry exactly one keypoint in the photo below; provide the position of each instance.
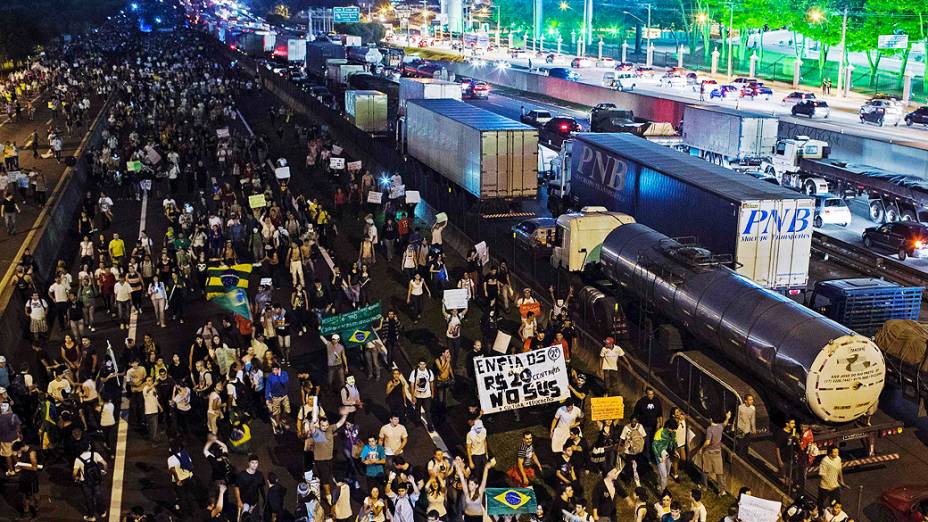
(868, 262)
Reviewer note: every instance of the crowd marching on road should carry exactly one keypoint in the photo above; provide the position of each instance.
(174, 140)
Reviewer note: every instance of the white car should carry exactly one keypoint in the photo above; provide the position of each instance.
(625, 81)
(672, 81)
(882, 112)
(831, 210)
(608, 63)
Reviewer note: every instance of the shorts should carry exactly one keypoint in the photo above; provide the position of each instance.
(276, 402)
(323, 469)
(712, 462)
(6, 449)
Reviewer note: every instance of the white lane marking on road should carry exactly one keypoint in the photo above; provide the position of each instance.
(247, 127)
(122, 436)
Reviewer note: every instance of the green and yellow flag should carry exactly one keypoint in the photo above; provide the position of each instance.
(222, 279)
(235, 301)
(510, 501)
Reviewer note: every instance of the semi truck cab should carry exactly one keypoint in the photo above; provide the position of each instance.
(785, 159)
(579, 236)
(559, 180)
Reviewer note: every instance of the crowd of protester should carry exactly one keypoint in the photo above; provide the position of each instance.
(172, 137)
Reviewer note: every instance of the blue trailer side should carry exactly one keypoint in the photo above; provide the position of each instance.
(865, 304)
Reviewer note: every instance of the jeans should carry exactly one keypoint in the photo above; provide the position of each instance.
(77, 328)
(93, 499)
(122, 308)
(151, 422)
(372, 357)
(9, 220)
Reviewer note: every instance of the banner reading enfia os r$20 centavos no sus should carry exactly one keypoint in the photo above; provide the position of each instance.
(510, 382)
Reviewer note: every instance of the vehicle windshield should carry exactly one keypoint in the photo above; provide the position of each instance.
(835, 202)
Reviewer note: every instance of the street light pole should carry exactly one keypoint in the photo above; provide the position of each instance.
(841, 64)
(649, 25)
(497, 27)
(731, 22)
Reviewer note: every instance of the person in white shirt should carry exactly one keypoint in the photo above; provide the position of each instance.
(633, 440)
(180, 401)
(697, 507)
(159, 298)
(404, 498)
(831, 473)
(152, 407)
(476, 446)
(423, 386)
(58, 292)
(609, 364)
(88, 471)
(122, 292)
(453, 332)
(393, 437)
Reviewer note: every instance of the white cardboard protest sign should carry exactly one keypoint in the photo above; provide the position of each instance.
(336, 150)
(397, 191)
(753, 509)
(483, 252)
(412, 197)
(455, 299)
(222, 133)
(336, 163)
(501, 343)
(441, 217)
(282, 173)
(354, 166)
(374, 197)
(510, 382)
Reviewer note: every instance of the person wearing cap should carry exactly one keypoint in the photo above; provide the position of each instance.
(609, 356)
(336, 361)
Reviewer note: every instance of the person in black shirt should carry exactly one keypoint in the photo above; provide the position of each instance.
(276, 494)
(604, 493)
(648, 411)
(787, 442)
(249, 486)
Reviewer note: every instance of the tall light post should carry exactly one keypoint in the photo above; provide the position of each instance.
(731, 22)
(818, 16)
(647, 34)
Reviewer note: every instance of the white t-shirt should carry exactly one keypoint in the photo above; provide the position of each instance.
(150, 395)
(393, 437)
(107, 418)
(478, 442)
(421, 381)
(610, 357)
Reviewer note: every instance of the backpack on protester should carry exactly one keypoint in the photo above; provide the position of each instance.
(93, 474)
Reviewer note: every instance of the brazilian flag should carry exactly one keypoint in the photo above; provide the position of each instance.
(510, 501)
(235, 301)
(222, 279)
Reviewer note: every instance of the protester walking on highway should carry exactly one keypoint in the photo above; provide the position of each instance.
(89, 470)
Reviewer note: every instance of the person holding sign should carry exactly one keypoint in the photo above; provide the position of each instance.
(527, 303)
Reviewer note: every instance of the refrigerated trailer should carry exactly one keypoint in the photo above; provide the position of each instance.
(728, 137)
(765, 229)
(426, 88)
(488, 155)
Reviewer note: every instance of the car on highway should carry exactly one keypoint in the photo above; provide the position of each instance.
(756, 90)
(558, 129)
(722, 92)
(645, 72)
(677, 71)
(475, 90)
(427, 70)
(797, 96)
(919, 116)
(519, 53)
(606, 62)
(672, 80)
(536, 233)
(620, 81)
(536, 117)
(831, 210)
(744, 80)
(903, 504)
(881, 111)
(811, 108)
(905, 239)
(564, 74)
(706, 83)
(579, 62)
(625, 66)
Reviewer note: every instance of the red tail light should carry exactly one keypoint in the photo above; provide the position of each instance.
(565, 127)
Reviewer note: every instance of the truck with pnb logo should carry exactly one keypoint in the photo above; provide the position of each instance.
(765, 230)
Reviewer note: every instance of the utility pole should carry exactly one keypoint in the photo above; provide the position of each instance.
(649, 25)
(731, 22)
(841, 64)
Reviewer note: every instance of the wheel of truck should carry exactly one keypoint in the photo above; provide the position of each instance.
(818, 222)
(908, 122)
(876, 212)
(902, 254)
(908, 215)
(868, 243)
(892, 214)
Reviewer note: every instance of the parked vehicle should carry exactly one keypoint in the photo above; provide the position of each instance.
(581, 62)
(367, 110)
(864, 304)
(536, 117)
(564, 74)
(756, 90)
(494, 158)
(722, 92)
(763, 176)
(677, 71)
(797, 96)
(475, 89)
(558, 129)
(743, 80)
(904, 504)
(426, 88)
(811, 108)
(625, 67)
(919, 116)
(620, 81)
(536, 233)
(318, 53)
(707, 84)
(672, 80)
(881, 112)
(605, 61)
(831, 210)
(645, 72)
(729, 137)
(906, 239)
